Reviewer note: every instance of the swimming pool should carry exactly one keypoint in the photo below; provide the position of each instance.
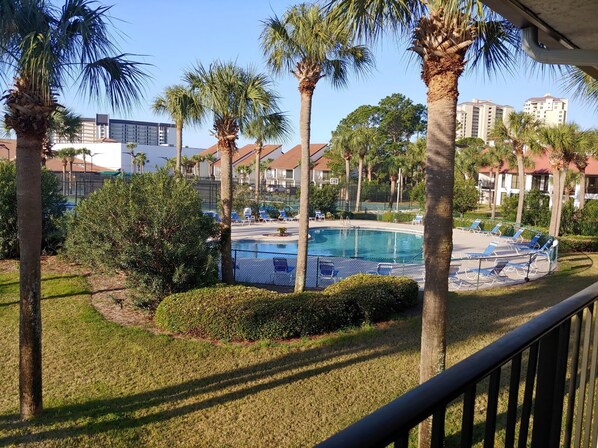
(367, 244)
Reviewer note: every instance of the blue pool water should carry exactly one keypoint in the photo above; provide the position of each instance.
(367, 244)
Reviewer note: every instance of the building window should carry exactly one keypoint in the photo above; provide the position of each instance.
(592, 187)
(514, 181)
(289, 174)
(540, 183)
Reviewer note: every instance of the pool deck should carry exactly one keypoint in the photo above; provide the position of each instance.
(260, 270)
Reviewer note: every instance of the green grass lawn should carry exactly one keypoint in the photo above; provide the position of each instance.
(107, 385)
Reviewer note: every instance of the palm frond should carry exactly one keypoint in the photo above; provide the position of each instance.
(582, 86)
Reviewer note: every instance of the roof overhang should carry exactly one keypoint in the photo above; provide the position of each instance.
(567, 30)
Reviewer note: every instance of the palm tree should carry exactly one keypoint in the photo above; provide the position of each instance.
(588, 147)
(363, 139)
(311, 45)
(231, 97)
(495, 158)
(341, 144)
(468, 157)
(42, 47)
(182, 106)
(197, 161)
(272, 127)
(445, 35)
(140, 160)
(520, 132)
(65, 125)
(560, 144)
(582, 86)
(243, 171)
(63, 155)
(84, 153)
(211, 159)
(131, 151)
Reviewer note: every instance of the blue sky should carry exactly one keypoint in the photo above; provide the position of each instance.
(174, 36)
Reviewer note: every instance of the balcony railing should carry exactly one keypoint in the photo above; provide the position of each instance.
(536, 387)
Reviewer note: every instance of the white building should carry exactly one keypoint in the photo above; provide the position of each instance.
(476, 118)
(115, 155)
(286, 169)
(548, 109)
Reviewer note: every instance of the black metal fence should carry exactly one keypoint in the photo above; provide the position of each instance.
(536, 387)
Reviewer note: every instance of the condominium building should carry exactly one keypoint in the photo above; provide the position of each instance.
(548, 109)
(476, 118)
(102, 128)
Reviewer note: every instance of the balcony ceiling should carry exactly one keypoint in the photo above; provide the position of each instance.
(562, 24)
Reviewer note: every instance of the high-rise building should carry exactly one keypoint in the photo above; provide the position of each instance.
(548, 109)
(476, 118)
(101, 127)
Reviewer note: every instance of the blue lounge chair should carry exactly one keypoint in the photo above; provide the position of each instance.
(214, 215)
(419, 219)
(320, 216)
(326, 271)
(491, 275)
(494, 232)
(490, 250)
(382, 269)
(516, 238)
(281, 267)
(234, 217)
(265, 218)
(527, 246)
(284, 217)
(474, 227)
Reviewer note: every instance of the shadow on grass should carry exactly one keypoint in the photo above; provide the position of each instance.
(8, 287)
(151, 403)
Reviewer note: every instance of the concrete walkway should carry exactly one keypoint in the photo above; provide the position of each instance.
(469, 273)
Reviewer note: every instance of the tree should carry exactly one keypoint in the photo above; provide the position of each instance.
(42, 47)
(465, 195)
(184, 108)
(63, 155)
(211, 159)
(495, 158)
(131, 151)
(84, 153)
(581, 85)
(519, 131)
(63, 124)
(341, 146)
(445, 36)
(468, 157)
(588, 147)
(140, 160)
(275, 126)
(231, 97)
(311, 45)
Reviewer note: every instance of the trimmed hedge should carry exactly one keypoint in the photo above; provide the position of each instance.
(248, 313)
(398, 217)
(576, 243)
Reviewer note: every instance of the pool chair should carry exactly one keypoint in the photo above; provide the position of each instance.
(494, 232)
(474, 227)
(383, 269)
(488, 275)
(326, 271)
(490, 250)
(319, 216)
(419, 219)
(265, 218)
(453, 277)
(235, 218)
(516, 238)
(524, 268)
(284, 217)
(214, 215)
(529, 245)
(281, 267)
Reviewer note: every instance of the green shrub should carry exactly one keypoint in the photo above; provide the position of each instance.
(536, 211)
(376, 297)
(323, 199)
(418, 194)
(466, 195)
(53, 207)
(398, 217)
(151, 228)
(588, 219)
(578, 243)
(248, 313)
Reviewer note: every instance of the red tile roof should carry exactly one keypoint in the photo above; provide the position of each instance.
(322, 164)
(291, 158)
(542, 166)
(243, 153)
(211, 150)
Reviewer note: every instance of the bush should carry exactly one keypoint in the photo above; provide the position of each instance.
(248, 313)
(536, 211)
(53, 207)
(578, 243)
(323, 199)
(376, 297)
(466, 195)
(151, 228)
(398, 217)
(587, 223)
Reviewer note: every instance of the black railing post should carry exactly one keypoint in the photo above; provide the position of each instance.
(317, 271)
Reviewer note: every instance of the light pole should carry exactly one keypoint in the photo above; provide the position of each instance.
(399, 185)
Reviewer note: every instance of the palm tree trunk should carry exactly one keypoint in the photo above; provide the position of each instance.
(70, 177)
(258, 156)
(359, 176)
(226, 195)
(29, 222)
(64, 177)
(557, 222)
(393, 187)
(521, 174)
(347, 177)
(438, 226)
(582, 189)
(305, 133)
(495, 193)
(179, 148)
(370, 169)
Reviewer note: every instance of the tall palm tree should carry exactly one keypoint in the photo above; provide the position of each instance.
(211, 159)
(84, 153)
(495, 158)
(131, 151)
(447, 36)
(272, 127)
(65, 125)
(363, 139)
(42, 48)
(560, 144)
(582, 86)
(183, 107)
(140, 160)
(588, 147)
(197, 161)
(520, 132)
(341, 144)
(231, 97)
(311, 45)
(63, 155)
